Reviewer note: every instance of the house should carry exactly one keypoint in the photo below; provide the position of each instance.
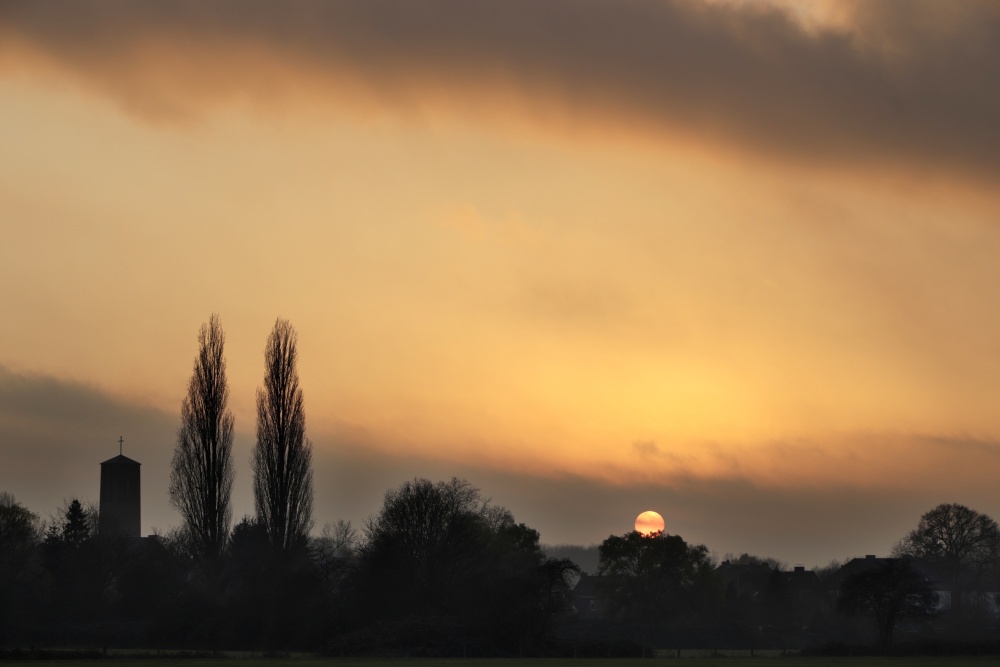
(930, 575)
(584, 599)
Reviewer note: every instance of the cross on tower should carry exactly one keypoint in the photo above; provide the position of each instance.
(121, 440)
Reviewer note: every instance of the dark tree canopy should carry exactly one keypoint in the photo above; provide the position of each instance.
(423, 517)
(955, 539)
(201, 479)
(890, 592)
(656, 576)
(426, 536)
(440, 558)
(282, 458)
(77, 525)
(19, 533)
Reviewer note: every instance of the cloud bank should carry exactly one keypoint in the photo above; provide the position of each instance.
(54, 434)
(892, 82)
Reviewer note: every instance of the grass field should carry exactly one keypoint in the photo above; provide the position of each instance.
(687, 659)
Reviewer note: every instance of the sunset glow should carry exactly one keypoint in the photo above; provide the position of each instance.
(518, 252)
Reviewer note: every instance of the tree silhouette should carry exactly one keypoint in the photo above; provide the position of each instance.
(890, 592)
(71, 555)
(424, 544)
(656, 583)
(956, 539)
(201, 479)
(20, 534)
(282, 458)
(77, 526)
(333, 551)
(444, 570)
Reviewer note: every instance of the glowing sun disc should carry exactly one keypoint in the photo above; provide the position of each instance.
(649, 522)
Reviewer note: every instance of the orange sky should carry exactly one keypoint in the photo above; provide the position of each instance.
(629, 245)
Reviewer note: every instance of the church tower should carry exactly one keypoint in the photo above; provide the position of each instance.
(120, 496)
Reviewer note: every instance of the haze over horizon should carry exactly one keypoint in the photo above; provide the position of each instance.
(732, 261)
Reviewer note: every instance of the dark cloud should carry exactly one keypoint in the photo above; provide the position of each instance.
(901, 82)
(55, 433)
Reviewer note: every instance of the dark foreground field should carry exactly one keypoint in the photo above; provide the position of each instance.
(687, 659)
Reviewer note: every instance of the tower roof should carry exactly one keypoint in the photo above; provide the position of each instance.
(120, 460)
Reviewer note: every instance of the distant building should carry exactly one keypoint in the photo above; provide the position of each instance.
(584, 599)
(744, 579)
(925, 570)
(120, 509)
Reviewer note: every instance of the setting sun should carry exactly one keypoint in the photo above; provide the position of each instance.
(649, 522)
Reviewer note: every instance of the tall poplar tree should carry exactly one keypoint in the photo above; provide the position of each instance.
(282, 458)
(201, 479)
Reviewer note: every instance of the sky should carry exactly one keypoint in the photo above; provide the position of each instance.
(731, 261)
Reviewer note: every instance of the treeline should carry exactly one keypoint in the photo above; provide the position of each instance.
(939, 591)
(439, 570)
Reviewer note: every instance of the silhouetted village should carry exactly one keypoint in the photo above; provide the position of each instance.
(440, 570)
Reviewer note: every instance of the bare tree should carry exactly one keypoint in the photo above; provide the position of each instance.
(333, 551)
(282, 458)
(201, 479)
(956, 539)
(337, 541)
